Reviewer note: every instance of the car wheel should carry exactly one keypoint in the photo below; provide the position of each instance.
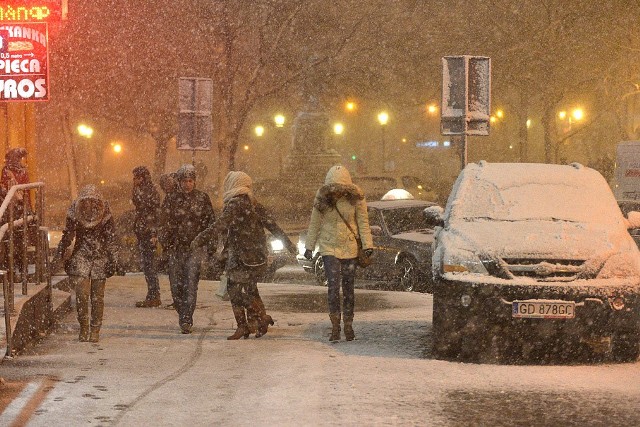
(625, 346)
(410, 277)
(321, 277)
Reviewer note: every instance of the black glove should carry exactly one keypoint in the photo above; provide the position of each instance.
(368, 252)
(308, 254)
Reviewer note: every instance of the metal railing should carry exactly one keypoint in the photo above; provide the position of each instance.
(27, 227)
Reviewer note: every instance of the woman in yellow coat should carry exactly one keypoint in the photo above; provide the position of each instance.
(337, 203)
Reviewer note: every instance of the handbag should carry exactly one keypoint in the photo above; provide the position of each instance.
(222, 291)
(363, 260)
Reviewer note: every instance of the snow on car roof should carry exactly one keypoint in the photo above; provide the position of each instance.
(536, 210)
(525, 191)
(393, 204)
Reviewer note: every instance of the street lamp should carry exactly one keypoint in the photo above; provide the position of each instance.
(338, 128)
(117, 148)
(350, 106)
(259, 131)
(85, 131)
(279, 120)
(383, 119)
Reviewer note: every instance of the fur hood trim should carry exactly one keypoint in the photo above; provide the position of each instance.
(328, 194)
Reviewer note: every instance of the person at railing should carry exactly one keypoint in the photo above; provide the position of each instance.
(146, 200)
(94, 257)
(15, 172)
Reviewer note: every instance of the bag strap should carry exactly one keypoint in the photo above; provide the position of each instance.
(335, 206)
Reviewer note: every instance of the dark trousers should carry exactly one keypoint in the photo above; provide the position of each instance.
(147, 263)
(241, 294)
(184, 274)
(89, 292)
(340, 272)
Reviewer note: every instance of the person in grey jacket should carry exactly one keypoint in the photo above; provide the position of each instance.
(337, 201)
(94, 257)
(185, 213)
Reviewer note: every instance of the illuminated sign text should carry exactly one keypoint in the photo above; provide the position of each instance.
(31, 11)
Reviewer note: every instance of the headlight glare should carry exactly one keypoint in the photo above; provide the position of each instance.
(277, 245)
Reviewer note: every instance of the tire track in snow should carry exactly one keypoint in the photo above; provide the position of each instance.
(126, 408)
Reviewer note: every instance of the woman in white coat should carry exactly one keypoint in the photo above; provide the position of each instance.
(337, 203)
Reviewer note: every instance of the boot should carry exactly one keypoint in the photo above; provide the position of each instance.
(95, 334)
(84, 332)
(264, 320)
(242, 331)
(349, 335)
(149, 302)
(252, 321)
(335, 326)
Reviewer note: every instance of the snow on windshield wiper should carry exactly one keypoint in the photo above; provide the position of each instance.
(488, 218)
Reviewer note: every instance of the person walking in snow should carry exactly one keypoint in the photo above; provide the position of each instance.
(94, 257)
(185, 214)
(242, 225)
(168, 184)
(337, 203)
(146, 200)
(15, 172)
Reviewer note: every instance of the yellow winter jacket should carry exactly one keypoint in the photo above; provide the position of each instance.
(326, 229)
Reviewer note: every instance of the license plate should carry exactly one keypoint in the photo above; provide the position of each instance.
(544, 309)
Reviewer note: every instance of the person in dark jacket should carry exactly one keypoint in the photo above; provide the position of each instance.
(15, 170)
(242, 224)
(185, 214)
(94, 257)
(146, 200)
(168, 184)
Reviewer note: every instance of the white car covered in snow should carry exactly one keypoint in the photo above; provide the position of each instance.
(534, 260)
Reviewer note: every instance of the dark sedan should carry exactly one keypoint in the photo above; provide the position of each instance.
(627, 206)
(402, 239)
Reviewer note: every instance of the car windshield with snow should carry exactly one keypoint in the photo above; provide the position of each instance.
(534, 260)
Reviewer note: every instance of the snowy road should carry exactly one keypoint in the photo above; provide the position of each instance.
(144, 372)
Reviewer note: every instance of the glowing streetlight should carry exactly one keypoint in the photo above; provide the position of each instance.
(383, 118)
(562, 115)
(432, 109)
(117, 148)
(279, 120)
(338, 128)
(528, 123)
(500, 114)
(577, 114)
(350, 106)
(85, 131)
(259, 130)
(246, 148)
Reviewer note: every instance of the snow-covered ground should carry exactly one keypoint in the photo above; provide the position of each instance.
(144, 372)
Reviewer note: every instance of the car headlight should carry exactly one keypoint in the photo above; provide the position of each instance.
(462, 262)
(277, 245)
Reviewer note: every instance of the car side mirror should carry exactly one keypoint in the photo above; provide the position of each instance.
(633, 219)
(376, 230)
(434, 216)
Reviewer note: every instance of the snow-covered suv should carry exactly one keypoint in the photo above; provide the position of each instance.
(534, 260)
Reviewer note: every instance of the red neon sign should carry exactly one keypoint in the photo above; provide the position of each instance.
(12, 11)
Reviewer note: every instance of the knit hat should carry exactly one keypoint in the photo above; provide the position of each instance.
(186, 171)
